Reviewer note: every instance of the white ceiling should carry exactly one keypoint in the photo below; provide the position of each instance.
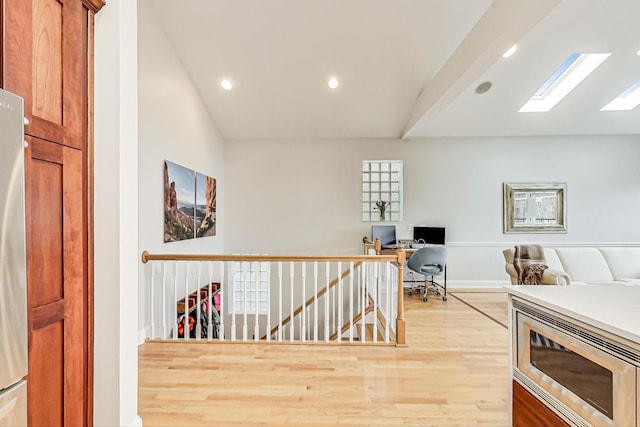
(407, 68)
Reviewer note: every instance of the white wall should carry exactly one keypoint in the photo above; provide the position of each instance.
(174, 125)
(303, 197)
(116, 217)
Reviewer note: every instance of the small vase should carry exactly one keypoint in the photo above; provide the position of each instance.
(381, 214)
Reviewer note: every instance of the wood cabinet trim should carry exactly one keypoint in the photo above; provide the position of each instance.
(44, 315)
(93, 5)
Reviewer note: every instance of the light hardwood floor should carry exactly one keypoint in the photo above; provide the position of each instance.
(491, 304)
(454, 372)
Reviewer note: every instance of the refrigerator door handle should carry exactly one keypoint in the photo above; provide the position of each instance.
(6, 409)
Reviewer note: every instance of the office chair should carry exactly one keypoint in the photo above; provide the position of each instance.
(430, 261)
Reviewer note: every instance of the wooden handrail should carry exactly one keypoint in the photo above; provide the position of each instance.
(146, 257)
(310, 301)
(368, 244)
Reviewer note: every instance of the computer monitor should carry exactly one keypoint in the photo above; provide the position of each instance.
(386, 233)
(429, 235)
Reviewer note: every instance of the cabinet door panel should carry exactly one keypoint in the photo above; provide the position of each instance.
(57, 277)
(46, 62)
(529, 411)
(16, 58)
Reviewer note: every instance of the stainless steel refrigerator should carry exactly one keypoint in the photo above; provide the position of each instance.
(13, 265)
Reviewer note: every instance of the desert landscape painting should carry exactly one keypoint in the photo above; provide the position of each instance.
(205, 215)
(189, 203)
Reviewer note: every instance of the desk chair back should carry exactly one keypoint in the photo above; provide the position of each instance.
(430, 261)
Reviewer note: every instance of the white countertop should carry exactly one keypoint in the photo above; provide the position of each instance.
(610, 307)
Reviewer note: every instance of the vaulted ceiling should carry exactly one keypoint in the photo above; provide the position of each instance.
(407, 68)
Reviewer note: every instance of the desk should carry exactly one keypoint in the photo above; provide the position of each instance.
(408, 252)
(376, 246)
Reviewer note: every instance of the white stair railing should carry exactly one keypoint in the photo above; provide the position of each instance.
(262, 297)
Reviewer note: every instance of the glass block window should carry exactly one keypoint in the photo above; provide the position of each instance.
(382, 190)
(250, 286)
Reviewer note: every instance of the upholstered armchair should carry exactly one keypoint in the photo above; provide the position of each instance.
(550, 276)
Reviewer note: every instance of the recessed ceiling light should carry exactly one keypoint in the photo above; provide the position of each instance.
(627, 100)
(226, 84)
(333, 83)
(569, 75)
(510, 52)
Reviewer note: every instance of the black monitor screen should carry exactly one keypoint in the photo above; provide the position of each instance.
(429, 235)
(386, 233)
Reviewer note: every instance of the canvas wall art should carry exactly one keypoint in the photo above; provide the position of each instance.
(189, 203)
(205, 217)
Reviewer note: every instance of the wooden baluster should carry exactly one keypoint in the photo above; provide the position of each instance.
(315, 301)
(256, 284)
(268, 328)
(365, 279)
(327, 332)
(360, 270)
(351, 273)
(163, 307)
(303, 324)
(308, 322)
(175, 298)
(280, 301)
(222, 293)
(387, 302)
(374, 293)
(210, 305)
(234, 282)
(333, 309)
(198, 302)
(186, 332)
(338, 306)
(246, 270)
(291, 323)
(152, 302)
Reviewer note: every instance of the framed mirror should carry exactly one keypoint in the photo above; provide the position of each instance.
(535, 208)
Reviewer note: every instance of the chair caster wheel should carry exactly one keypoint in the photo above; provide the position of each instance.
(424, 299)
(409, 293)
(444, 298)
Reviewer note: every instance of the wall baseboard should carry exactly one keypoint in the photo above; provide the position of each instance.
(457, 285)
(142, 335)
(505, 245)
(135, 422)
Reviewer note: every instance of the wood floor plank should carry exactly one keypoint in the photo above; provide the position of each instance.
(492, 304)
(454, 372)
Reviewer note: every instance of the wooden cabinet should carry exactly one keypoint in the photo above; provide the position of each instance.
(529, 411)
(47, 59)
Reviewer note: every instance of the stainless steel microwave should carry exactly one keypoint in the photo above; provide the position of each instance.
(587, 378)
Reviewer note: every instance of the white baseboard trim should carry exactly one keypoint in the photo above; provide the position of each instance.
(476, 289)
(457, 285)
(142, 335)
(136, 422)
(505, 245)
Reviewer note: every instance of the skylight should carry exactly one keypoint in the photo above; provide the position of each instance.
(569, 75)
(627, 100)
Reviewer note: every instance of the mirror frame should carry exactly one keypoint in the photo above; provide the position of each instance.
(508, 190)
